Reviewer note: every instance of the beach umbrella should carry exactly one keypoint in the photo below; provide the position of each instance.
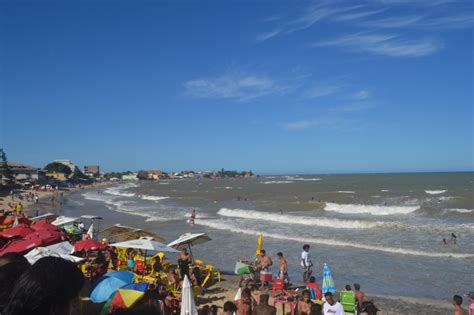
(128, 295)
(89, 245)
(259, 245)
(188, 307)
(328, 281)
(145, 243)
(19, 230)
(47, 237)
(124, 275)
(20, 246)
(40, 252)
(44, 225)
(189, 239)
(105, 287)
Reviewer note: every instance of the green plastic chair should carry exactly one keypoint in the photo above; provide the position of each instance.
(348, 301)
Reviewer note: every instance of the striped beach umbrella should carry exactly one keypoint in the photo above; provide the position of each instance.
(328, 281)
(128, 295)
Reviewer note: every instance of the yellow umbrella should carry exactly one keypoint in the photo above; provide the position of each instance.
(259, 245)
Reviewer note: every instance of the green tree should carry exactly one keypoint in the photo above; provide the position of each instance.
(5, 169)
(56, 167)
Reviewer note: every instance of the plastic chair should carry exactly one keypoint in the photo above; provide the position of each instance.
(348, 301)
(278, 285)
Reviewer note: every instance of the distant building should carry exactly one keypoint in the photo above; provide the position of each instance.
(130, 177)
(24, 173)
(57, 176)
(155, 174)
(91, 170)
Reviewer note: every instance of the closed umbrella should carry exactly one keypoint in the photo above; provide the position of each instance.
(188, 307)
(19, 230)
(328, 281)
(259, 245)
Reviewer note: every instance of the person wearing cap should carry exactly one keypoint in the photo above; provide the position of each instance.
(457, 304)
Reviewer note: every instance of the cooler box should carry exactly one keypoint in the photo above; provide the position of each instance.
(242, 269)
(265, 276)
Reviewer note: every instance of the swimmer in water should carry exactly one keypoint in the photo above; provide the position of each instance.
(445, 242)
(193, 217)
(453, 238)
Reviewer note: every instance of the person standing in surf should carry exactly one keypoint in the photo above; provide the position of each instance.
(193, 217)
(306, 263)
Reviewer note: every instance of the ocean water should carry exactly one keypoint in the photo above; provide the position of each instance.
(383, 231)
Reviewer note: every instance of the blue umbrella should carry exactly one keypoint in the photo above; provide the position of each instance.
(123, 275)
(328, 281)
(105, 288)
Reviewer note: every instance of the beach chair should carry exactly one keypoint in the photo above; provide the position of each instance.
(348, 301)
(278, 285)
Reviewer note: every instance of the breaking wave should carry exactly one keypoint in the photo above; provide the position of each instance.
(369, 209)
(153, 198)
(346, 192)
(435, 192)
(278, 182)
(216, 224)
(460, 210)
(292, 219)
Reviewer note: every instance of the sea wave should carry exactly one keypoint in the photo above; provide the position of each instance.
(219, 225)
(153, 198)
(435, 192)
(460, 210)
(303, 179)
(346, 192)
(384, 190)
(278, 182)
(118, 190)
(369, 209)
(294, 219)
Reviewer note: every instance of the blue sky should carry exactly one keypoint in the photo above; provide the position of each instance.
(276, 87)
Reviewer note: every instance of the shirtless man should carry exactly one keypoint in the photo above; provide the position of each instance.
(229, 308)
(264, 262)
(457, 303)
(283, 266)
(304, 306)
(359, 295)
(244, 305)
(263, 308)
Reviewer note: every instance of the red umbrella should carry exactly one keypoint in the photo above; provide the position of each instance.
(44, 225)
(19, 230)
(20, 246)
(46, 237)
(89, 245)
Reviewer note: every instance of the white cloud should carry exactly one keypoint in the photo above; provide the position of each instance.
(357, 15)
(233, 86)
(384, 44)
(265, 36)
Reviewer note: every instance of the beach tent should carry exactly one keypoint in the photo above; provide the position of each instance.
(188, 306)
(44, 225)
(20, 246)
(121, 233)
(40, 252)
(189, 239)
(19, 230)
(147, 244)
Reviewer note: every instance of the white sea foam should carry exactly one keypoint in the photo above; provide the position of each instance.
(302, 178)
(278, 182)
(460, 210)
(162, 183)
(369, 209)
(435, 192)
(346, 192)
(384, 190)
(153, 198)
(118, 190)
(219, 225)
(293, 219)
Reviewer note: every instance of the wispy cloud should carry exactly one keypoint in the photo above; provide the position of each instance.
(362, 95)
(357, 15)
(322, 90)
(423, 22)
(384, 44)
(267, 35)
(356, 107)
(323, 123)
(234, 86)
